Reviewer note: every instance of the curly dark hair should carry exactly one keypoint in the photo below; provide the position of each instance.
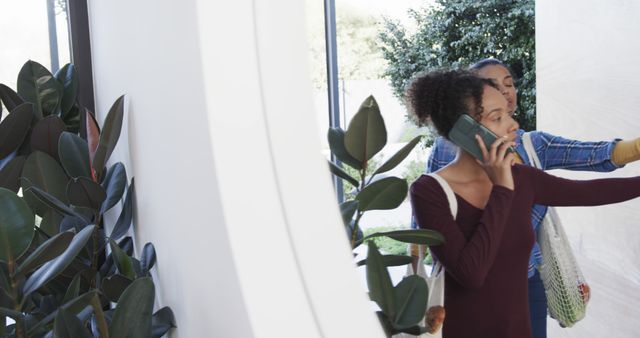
(442, 96)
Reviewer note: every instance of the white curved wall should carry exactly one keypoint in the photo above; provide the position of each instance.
(588, 77)
(231, 186)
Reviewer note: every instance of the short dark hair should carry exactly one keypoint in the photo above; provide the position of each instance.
(442, 96)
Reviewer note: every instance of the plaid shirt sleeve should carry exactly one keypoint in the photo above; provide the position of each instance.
(443, 152)
(559, 153)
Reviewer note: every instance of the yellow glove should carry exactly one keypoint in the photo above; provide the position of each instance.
(518, 158)
(626, 151)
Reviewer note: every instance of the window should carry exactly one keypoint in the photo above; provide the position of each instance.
(33, 30)
(360, 69)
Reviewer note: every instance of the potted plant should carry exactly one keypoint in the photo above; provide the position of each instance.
(403, 306)
(56, 278)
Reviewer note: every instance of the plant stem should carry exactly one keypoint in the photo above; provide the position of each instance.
(102, 323)
(356, 225)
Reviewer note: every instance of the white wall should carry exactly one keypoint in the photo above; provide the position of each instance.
(231, 186)
(588, 77)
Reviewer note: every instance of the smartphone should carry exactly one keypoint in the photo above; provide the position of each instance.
(463, 134)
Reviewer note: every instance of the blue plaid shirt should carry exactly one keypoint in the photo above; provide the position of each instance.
(554, 152)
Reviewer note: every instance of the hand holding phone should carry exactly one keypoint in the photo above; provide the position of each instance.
(464, 132)
(470, 135)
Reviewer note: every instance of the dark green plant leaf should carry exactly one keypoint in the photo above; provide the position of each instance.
(398, 157)
(67, 325)
(10, 98)
(55, 203)
(74, 155)
(415, 330)
(73, 223)
(416, 236)
(148, 257)
(391, 260)
(45, 135)
(115, 182)
(385, 323)
(109, 135)
(122, 260)
(54, 267)
(126, 215)
(366, 134)
(114, 286)
(4, 276)
(75, 306)
(10, 173)
(342, 174)
(44, 172)
(387, 193)
(25, 147)
(74, 289)
(47, 251)
(84, 192)
(126, 244)
(137, 268)
(14, 129)
(5, 300)
(45, 304)
(379, 282)
(38, 86)
(68, 78)
(108, 267)
(411, 301)
(336, 144)
(85, 212)
(348, 209)
(162, 321)
(72, 119)
(17, 225)
(132, 318)
(50, 223)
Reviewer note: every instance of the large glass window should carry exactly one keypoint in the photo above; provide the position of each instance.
(361, 72)
(381, 44)
(33, 30)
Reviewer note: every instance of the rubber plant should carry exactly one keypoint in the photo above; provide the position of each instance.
(56, 278)
(403, 306)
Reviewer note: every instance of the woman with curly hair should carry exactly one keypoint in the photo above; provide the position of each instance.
(488, 244)
(554, 152)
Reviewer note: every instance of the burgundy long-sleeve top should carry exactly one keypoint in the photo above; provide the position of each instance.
(486, 251)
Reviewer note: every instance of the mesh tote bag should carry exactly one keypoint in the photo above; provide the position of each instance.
(435, 281)
(565, 287)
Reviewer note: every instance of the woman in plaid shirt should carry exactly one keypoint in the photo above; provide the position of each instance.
(555, 153)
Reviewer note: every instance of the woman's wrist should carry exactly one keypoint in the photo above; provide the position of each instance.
(626, 151)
